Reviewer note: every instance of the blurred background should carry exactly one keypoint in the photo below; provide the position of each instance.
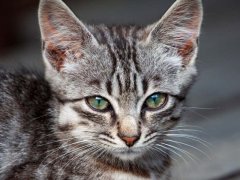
(214, 102)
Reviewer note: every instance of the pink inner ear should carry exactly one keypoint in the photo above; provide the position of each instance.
(56, 56)
(186, 51)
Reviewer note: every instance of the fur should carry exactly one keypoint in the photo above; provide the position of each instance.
(48, 131)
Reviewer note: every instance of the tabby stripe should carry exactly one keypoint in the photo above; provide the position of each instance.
(129, 52)
(175, 119)
(114, 65)
(110, 51)
(114, 119)
(121, 47)
(134, 50)
(95, 82)
(165, 113)
(128, 81)
(149, 134)
(179, 97)
(65, 128)
(145, 85)
(134, 57)
(119, 84)
(109, 87)
(126, 67)
(89, 116)
(122, 41)
(107, 134)
(104, 139)
(150, 139)
(135, 82)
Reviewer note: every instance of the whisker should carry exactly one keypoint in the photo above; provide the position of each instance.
(59, 140)
(63, 155)
(181, 150)
(174, 152)
(62, 147)
(77, 156)
(199, 114)
(91, 132)
(163, 153)
(191, 137)
(178, 142)
(200, 108)
(189, 126)
(182, 129)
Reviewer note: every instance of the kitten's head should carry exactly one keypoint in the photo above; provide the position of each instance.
(119, 88)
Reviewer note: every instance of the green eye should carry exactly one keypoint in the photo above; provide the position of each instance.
(156, 100)
(98, 103)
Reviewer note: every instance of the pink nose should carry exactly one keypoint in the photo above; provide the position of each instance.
(129, 140)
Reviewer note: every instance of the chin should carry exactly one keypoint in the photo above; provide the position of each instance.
(128, 155)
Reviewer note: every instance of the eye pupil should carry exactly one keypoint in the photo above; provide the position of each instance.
(98, 102)
(155, 99)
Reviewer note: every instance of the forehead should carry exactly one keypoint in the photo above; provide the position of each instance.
(126, 48)
(125, 65)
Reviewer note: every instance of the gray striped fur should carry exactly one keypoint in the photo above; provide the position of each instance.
(125, 65)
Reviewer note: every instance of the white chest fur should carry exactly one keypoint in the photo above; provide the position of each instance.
(126, 176)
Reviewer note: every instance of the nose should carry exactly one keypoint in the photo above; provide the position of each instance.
(130, 141)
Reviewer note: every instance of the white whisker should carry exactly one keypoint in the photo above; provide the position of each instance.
(178, 142)
(162, 152)
(174, 152)
(181, 150)
(191, 137)
(200, 108)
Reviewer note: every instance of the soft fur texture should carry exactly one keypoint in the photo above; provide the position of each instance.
(48, 131)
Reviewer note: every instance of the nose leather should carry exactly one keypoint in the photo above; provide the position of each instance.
(130, 141)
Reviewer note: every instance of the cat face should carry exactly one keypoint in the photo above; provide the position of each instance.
(119, 88)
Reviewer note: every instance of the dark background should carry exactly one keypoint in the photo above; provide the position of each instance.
(214, 101)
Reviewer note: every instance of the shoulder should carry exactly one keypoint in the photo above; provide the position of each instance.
(24, 96)
(23, 84)
(22, 92)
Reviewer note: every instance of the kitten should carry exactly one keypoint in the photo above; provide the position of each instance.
(108, 99)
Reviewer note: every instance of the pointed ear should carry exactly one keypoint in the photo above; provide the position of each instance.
(180, 28)
(63, 35)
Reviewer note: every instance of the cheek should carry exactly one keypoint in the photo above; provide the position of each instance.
(69, 122)
(158, 121)
(152, 119)
(68, 116)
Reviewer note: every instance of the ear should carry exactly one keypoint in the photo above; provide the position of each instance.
(180, 28)
(64, 36)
